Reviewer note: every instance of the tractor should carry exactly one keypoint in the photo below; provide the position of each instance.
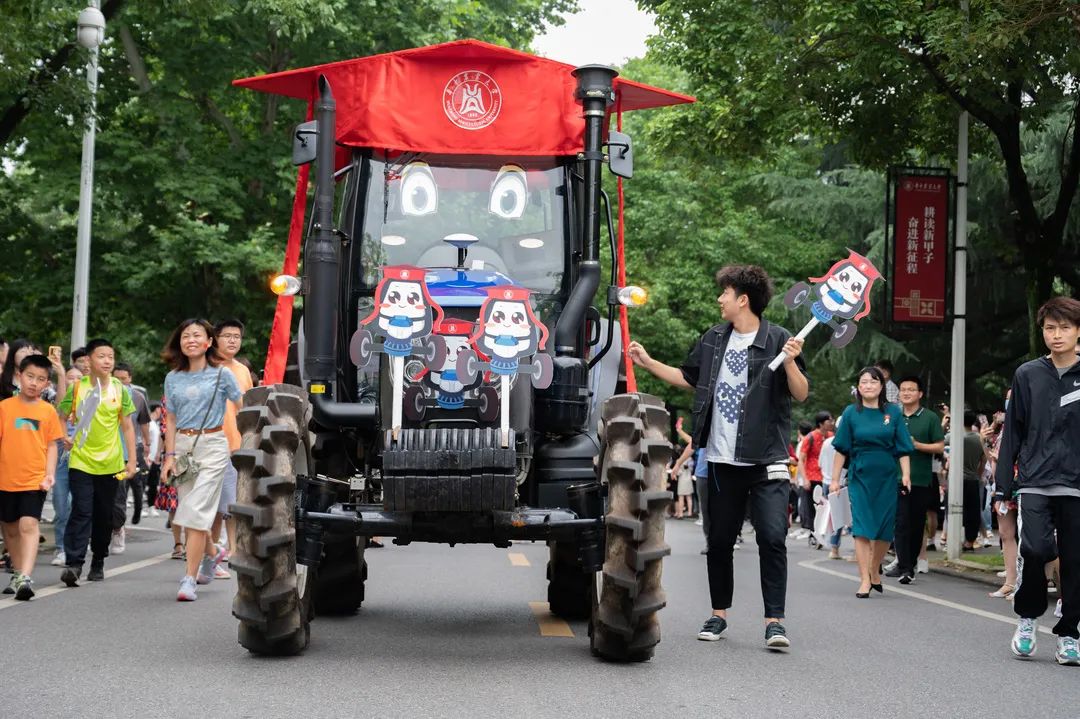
(452, 378)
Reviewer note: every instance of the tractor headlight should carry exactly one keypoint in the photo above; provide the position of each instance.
(286, 285)
(633, 296)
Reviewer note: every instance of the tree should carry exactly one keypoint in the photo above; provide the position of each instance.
(889, 77)
(193, 181)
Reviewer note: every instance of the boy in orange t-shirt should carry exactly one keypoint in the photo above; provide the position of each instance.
(29, 429)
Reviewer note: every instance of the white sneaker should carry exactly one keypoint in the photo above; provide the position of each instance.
(1002, 574)
(59, 559)
(922, 566)
(118, 543)
(1025, 638)
(1057, 609)
(891, 566)
(699, 523)
(154, 512)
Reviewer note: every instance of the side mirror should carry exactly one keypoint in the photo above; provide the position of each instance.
(621, 154)
(303, 146)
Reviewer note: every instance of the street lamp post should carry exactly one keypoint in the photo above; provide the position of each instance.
(91, 33)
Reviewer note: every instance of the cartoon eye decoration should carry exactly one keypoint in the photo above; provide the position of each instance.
(509, 193)
(393, 297)
(517, 318)
(419, 195)
(413, 298)
(497, 316)
(857, 288)
(843, 277)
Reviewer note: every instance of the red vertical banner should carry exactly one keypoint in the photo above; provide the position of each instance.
(920, 249)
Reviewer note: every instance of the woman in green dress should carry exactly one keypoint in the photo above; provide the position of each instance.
(873, 434)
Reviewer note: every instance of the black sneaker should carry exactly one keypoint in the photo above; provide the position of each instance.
(25, 589)
(714, 626)
(70, 576)
(96, 573)
(894, 572)
(907, 579)
(776, 636)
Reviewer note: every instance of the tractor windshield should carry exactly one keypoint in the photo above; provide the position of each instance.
(508, 215)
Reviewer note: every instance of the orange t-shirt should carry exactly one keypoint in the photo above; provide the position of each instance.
(243, 378)
(26, 429)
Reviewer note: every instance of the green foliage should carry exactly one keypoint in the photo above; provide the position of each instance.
(193, 186)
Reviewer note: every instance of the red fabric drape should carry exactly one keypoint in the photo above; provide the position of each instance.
(277, 354)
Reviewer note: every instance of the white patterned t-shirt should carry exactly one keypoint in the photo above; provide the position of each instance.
(727, 405)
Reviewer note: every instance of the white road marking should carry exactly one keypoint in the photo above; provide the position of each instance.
(8, 603)
(518, 559)
(813, 564)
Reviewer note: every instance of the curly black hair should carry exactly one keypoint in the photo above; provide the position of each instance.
(749, 280)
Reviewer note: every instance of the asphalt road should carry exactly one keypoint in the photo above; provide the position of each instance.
(451, 633)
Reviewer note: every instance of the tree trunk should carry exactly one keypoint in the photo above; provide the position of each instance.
(1040, 273)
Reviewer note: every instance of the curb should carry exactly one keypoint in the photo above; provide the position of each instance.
(965, 571)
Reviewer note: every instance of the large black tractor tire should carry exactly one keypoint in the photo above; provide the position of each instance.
(627, 594)
(569, 585)
(339, 584)
(273, 593)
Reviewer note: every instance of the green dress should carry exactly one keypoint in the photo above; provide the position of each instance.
(873, 440)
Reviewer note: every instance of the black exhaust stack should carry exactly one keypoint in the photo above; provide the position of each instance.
(564, 406)
(321, 256)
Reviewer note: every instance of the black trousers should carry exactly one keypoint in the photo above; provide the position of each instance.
(92, 500)
(911, 509)
(1038, 519)
(972, 511)
(730, 490)
(807, 510)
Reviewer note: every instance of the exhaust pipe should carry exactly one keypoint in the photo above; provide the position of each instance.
(321, 255)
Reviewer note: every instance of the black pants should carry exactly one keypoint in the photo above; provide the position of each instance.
(1039, 516)
(911, 509)
(92, 500)
(807, 510)
(972, 511)
(153, 477)
(730, 489)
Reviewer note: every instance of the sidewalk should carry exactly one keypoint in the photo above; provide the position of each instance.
(980, 566)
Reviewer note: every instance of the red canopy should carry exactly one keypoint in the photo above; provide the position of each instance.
(463, 97)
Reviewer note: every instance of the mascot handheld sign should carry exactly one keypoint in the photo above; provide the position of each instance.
(839, 299)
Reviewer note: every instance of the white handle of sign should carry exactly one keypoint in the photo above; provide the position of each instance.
(399, 392)
(779, 359)
(504, 410)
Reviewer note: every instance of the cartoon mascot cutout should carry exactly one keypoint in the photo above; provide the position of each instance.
(442, 388)
(511, 336)
(401, 326)
(839, 299)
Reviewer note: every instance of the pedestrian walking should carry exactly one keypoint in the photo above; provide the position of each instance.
(873, 435)
(809, 466)
(825, 458)
(101, 410)
(928, 440)
(742, 417)
(975, 458)
(1005, 509)
(230, 336)
(125, 374)
(1042, 437)
(197, 386)
(61, 491)
(29, 430)
(892, 391)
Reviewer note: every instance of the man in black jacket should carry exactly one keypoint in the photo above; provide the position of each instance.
(1042, 437)
(742, 418)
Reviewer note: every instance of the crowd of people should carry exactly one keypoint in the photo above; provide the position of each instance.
(884, 462)
(88, 441)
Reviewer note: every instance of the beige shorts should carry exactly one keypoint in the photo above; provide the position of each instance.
(198, 500)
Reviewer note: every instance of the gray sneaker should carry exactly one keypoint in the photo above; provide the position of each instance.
(187, 590)
(12, 585)
(1068, 652)
(1025, 638)
(25, 590)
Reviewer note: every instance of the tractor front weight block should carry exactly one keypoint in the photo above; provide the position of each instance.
(497, 527)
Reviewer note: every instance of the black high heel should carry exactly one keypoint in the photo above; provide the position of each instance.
(862, 595)
(878, 588)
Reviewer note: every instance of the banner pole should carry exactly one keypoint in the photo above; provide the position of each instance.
(954, 522)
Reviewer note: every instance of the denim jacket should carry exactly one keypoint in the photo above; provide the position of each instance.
(765, 419)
